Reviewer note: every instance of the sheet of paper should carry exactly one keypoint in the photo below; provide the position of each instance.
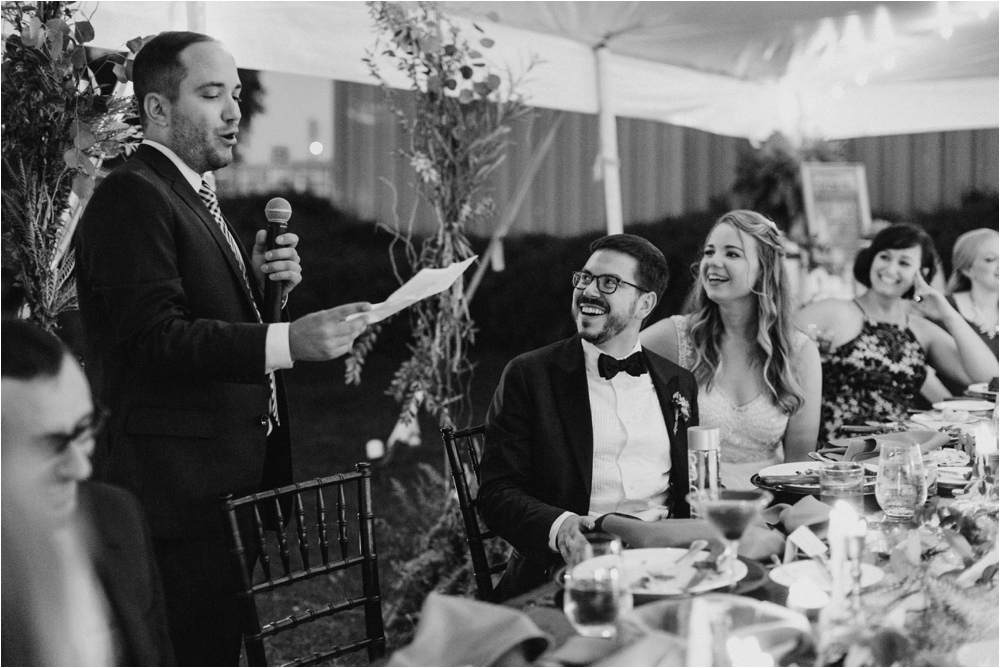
(427, 283)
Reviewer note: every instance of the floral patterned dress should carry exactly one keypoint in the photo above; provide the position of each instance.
(876, 376)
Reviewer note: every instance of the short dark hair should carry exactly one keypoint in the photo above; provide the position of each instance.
(158, 68)
(653, 272)
(29, 351)
(897, 237)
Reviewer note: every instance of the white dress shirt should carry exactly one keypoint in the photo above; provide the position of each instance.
(631, 465)
(277, 351)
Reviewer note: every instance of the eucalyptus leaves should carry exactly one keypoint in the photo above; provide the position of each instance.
(57, 128)
(455, 137)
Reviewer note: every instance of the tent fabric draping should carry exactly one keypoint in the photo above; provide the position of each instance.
(828, 70)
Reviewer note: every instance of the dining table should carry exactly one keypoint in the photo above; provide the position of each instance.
(934, 600)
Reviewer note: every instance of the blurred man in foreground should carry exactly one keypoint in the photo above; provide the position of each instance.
(80, 584)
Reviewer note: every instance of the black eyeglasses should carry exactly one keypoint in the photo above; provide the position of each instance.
(606, 283)
(89, 427)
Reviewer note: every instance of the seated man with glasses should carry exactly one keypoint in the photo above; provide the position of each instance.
(80, 584)
(591, 427)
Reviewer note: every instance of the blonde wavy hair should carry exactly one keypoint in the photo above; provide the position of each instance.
(773, 318)
(963, 255)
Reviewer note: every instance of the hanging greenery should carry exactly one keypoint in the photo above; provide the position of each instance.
(456, 135)
(57, 128)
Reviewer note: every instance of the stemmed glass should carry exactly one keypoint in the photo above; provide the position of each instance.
(730, 512)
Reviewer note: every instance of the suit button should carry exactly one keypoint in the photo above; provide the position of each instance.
(263, 420)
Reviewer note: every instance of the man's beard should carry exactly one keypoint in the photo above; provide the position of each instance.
(194, 147)
(614, 324)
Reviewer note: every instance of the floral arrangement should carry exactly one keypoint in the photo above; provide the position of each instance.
(57, 128)
(682, 409)
(456, 134)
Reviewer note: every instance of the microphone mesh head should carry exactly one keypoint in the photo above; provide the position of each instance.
(277, 210)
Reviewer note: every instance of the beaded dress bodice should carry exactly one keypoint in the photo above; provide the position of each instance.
(749, 433)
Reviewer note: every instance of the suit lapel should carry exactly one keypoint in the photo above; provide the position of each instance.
(569, 385)
(667, 384)
(192, 199)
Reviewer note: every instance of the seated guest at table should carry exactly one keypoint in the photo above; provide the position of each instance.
(880, 342)
(590, 425)
(100, 564)
(972, 288)
(758, 376)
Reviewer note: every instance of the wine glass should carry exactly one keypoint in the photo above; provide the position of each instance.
(730, 512)
(900, 486)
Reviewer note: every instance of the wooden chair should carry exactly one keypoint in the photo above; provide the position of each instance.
(253, 549)
(456, 443)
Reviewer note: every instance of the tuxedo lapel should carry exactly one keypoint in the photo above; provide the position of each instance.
(183, 190)
(667, 385)
(572, 401)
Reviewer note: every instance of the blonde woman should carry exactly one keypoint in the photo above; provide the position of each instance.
(972, 288)
(758, 377)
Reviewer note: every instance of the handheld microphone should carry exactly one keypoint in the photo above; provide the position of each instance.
(277, 211)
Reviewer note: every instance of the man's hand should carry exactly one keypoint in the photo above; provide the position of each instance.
(326, 335)
(570, 539)
(280, 264)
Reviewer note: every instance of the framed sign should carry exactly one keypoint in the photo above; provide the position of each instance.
(836, 202)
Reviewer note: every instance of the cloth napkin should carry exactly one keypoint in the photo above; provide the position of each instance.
(860, 449)
(808, 511)
(455, 631)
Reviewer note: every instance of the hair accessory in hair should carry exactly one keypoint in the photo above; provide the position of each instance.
(771, 224)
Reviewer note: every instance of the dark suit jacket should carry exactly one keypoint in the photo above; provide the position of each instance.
(123, 559)
(538, 454)
(174, 349)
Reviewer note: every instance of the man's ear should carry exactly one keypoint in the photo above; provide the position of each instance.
(157, 108)
(647, 302)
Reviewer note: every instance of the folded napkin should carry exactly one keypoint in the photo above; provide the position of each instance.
(860, 449)
(457, 631)
(808, 511)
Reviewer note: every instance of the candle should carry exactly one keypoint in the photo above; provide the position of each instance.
(699, 637)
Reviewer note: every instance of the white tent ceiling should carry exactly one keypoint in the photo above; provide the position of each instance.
(819, 69)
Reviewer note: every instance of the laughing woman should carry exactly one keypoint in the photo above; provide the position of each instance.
(880, 343)
(758, 377)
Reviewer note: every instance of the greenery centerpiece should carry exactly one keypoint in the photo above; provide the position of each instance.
(58, 126)
(455, 135)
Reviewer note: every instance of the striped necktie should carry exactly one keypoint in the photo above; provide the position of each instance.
(212, 202)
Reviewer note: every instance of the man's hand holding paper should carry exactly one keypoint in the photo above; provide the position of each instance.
(427, 283)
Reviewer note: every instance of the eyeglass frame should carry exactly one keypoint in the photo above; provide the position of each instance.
(83, 431)
(617, 281)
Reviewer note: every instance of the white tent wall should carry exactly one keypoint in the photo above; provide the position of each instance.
(739, 69)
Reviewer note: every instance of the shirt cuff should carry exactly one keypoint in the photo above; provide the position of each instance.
(554, 531)
(277, 351)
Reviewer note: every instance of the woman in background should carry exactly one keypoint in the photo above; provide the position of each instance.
(880, 342)
(972, 288)
(758, 377)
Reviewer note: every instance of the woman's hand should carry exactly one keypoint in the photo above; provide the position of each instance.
(929, 302)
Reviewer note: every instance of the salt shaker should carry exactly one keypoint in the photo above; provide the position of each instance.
(704, 447)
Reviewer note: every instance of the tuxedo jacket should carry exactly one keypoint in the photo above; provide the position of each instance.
(539, 449)
(173, 348)
(122, 552)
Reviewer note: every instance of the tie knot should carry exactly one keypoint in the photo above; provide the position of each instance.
(633, 365)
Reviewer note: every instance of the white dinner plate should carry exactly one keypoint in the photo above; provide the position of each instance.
(965, 405)
(807, 569)
(651, 571)
(795, 468)
(937, 419)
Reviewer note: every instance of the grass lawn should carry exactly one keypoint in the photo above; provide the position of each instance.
(331, 423)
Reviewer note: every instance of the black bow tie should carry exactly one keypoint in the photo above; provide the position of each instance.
(633, 365)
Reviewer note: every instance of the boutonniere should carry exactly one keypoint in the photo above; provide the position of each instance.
(682, 409)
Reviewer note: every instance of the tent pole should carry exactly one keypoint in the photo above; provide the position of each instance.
(195, 16)
(609, 145)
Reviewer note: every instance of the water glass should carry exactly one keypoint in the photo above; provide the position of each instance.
(594, 596)
(900, 487)
(843, 481)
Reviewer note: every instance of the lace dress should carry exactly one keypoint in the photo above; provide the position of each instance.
(751, 434)
(875, 376)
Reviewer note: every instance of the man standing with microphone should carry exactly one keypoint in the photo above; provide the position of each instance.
(179, 343)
